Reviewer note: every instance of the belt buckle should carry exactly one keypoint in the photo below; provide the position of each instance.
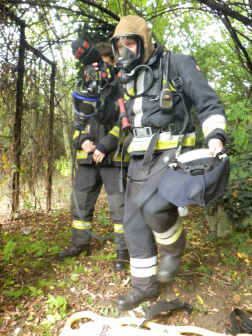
(247, 329)
(172, 128)
(153, 98)
(141, 132)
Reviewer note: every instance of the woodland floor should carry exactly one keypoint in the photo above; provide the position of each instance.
(39, 293)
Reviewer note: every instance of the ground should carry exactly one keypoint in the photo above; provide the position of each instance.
(39, 293)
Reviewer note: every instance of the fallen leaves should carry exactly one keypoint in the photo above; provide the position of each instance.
(237, 298)
(88, 289)
(199, 299)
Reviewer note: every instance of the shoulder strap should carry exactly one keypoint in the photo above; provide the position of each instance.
(176, 80)
(163, 306)
(245, 327)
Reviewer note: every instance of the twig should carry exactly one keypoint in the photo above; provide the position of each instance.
(194, 273)
(198, 258)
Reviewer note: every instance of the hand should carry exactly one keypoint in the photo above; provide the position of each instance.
(87, 75)
(95, 65)
(215, 146)
(88, 146)
(98, 156)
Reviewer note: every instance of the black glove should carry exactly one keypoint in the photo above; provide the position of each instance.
(84, 51)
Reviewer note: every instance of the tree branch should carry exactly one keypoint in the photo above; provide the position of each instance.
(102, 9)
(33, 3)
(225, 10)
(238, 43)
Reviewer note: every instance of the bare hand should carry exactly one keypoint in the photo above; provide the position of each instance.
(98, 156)
(215, 146)
(88, 146)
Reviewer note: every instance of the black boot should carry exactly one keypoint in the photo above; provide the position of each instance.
(122, 259)
(132, 300)
(171, 260)
(73, 251)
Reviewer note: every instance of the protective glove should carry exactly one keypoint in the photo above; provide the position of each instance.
(84, 51)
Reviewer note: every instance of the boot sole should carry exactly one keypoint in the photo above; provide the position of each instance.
(130, 306)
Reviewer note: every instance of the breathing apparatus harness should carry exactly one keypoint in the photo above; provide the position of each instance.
(166, 104)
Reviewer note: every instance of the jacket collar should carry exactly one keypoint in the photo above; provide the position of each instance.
(157, 53)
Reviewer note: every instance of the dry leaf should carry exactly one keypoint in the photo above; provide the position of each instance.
(176, 290)
(235, 193)
(13, 323)
(199, 299)
(131, 313)
(237, 297)
(36, 321)
(138, 309)
(185, 321)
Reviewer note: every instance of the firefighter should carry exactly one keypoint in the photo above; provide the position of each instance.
(96, 166)
(160, 90)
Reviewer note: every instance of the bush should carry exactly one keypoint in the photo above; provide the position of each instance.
(63, 166)
(237, 199)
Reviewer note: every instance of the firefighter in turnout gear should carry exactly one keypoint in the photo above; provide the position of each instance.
(160, 89)
(96, 166)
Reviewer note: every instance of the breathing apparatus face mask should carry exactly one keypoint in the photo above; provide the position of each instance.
(85, 103)
(128, 52)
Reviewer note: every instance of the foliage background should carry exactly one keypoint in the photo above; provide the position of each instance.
(218, 34)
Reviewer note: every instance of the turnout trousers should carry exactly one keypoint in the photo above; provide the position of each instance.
(88, 184)
(149, 221)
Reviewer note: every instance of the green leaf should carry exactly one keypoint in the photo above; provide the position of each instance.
(203, 269)
(225, 250)
(89, 300)
(74, 277)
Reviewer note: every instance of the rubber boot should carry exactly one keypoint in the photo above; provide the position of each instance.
(121, 260)
(171, 259)
(73, 251)
(132, 300)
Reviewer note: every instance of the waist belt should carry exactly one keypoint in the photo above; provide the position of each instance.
(165, 141)
(140, 132)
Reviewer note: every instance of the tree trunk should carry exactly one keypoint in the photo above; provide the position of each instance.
(65, 120)
(18, 121)
(50, 140)
(66, 130)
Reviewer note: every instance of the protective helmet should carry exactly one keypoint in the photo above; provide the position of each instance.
(126, 58)
(195, 177)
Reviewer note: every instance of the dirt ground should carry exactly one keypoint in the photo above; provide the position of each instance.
(39, 293)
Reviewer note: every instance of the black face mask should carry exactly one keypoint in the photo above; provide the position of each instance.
(127, 61)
